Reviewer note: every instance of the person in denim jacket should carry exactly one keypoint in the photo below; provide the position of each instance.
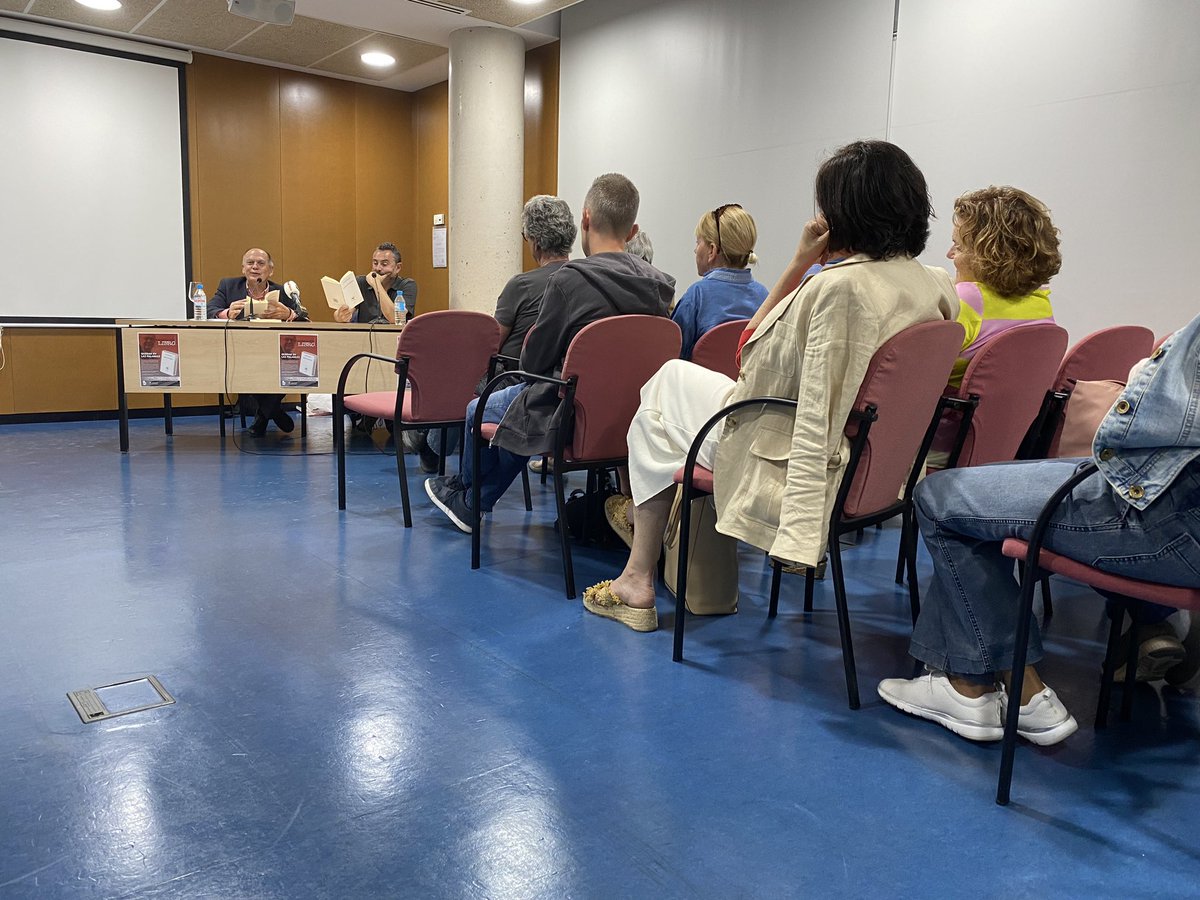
(1139, 517)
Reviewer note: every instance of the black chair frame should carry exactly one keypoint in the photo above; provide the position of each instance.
(838, 526)
(560, 467)
(1032, 575)
(967, 407)
(398, 427)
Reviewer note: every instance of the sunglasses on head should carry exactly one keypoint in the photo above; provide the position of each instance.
(716, 214)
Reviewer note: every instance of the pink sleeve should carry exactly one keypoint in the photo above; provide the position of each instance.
(742, 343)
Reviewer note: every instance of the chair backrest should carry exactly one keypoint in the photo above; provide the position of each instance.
(904, 381)
(612, 359)
(448, 351)
(1011, 374)
(1105, 355)
(717, 347)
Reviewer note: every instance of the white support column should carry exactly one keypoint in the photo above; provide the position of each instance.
(487, 163)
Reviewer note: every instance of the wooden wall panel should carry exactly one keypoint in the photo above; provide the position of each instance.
(384, 162)
(317, 176)
(7, 396)
(431, 138)
(315, 170)
(541, 128)
(236, 163)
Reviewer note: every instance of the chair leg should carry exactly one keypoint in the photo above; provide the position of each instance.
(681, 576)
(904, 541)
(810, 585)
(563, 537)
(525, 488)
(545, 463)
(914, 589)
(1131, 661)
(442, 457)
(776, 578)
(1047, 602)
(1017, 685)
(402, 473)
(843, 615)
(1109, 668)
(339, 447)
(304, 415)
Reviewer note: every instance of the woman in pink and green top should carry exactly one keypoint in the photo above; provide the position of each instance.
(1004, 249)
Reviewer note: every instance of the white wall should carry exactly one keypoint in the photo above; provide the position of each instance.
(703, 102)
(1092, 105)
(91, 182)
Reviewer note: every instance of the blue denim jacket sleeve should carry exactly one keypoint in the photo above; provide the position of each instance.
(1151, 432)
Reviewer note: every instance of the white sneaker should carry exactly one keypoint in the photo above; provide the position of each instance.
(1043, 720)
(931, 696)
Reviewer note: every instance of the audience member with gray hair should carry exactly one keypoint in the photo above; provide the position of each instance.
(609, 282)
(640, 245)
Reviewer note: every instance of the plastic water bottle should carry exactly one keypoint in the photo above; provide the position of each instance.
(199, 304)
(401, 308)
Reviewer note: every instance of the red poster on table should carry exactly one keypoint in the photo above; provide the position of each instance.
(158, 355)
(298, 360)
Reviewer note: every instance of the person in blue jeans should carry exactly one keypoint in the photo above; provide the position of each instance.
(1139, 516)
(606, 282)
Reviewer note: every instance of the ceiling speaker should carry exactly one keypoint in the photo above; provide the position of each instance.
(273, 12)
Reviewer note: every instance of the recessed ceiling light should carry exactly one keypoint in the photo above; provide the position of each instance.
(527, 2)
(379, 60)
(106, 5)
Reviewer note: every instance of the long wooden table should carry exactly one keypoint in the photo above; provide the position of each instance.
(225, 358)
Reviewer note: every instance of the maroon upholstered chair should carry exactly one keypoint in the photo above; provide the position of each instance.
(1105, 355)
(602, 376)
(890, 428)
(717, 347)
(440, 356)
(1037, 561)
(985, 419)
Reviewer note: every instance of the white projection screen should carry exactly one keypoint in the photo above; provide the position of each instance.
(92, 185)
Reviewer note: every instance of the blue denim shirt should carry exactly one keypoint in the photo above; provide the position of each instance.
(722, 295)
(1151, 432)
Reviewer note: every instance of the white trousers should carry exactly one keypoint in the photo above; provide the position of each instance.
(676, 402)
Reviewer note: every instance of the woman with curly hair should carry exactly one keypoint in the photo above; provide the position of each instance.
(1004, 249)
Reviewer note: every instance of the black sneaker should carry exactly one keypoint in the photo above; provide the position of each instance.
(450, 501)
(259, 427)
(283, 421)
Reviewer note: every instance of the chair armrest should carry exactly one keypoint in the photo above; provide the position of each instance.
(689, 465)
(397, 363)
(1086, 471)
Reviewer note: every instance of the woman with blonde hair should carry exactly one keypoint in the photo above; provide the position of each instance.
(1004, 249)
(725, 240)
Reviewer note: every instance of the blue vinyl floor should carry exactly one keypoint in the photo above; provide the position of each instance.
(360, 715)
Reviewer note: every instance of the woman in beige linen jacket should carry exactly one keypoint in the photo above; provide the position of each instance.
(777, 472)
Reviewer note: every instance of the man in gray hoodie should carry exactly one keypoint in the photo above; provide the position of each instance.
(607, 282)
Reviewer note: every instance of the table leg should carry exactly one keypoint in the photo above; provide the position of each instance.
(168, 419)
(122, 400)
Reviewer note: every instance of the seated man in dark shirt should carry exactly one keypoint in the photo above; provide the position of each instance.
(608, 282)
(383, 289)
(232, 301)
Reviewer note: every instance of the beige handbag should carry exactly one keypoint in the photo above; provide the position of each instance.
(712, 576)
(1087, 406)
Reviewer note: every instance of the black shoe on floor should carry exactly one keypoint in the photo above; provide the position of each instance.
(450, 501)
(283, 421)
(259, 426)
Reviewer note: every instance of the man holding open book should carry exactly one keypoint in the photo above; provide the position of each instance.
(380, 291)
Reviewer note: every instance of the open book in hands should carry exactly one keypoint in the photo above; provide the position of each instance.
(342, 293)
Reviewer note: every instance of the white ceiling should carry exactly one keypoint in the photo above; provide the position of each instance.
(326, 38)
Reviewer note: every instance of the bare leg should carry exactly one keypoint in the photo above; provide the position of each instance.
(635, 584)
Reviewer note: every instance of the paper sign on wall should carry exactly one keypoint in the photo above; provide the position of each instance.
(158, 358)
(298, 360)
(439, 246)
